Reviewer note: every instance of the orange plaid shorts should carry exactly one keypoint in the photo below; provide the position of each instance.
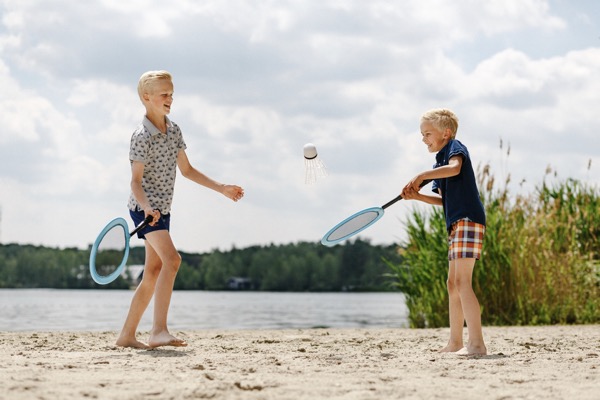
(465, 240)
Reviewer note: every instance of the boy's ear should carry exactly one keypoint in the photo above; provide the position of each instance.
(447, 133)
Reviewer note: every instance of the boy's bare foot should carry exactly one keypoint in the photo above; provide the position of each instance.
(165, 339)
(476, 350)
(451, 348)
(131, 342)
(472, 351)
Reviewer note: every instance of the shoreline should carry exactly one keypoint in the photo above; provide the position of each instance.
(542, 362)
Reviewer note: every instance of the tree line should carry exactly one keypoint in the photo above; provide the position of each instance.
(303, 266)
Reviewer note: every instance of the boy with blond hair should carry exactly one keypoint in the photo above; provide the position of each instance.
(456, 189)
(157, 149)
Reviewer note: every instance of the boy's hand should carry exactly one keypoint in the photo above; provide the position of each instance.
(408, 193)
(415, 183)
(411, 190)
(154, 213)
(233, 192)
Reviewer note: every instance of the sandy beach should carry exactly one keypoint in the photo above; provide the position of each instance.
(553, 362)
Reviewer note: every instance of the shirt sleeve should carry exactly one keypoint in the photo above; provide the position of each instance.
(436, 183)
(435, 186)
(457, 149)
(181, 143)
(139, 147)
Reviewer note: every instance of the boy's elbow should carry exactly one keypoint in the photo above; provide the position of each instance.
(134, 184)
(455, 169)
(185, 171)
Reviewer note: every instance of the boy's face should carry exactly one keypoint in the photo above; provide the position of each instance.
(434, 138)
(159, 97)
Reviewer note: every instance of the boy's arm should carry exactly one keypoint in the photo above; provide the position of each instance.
(233, 192)
(137, 172)
(411, 190)
(413, 195)
(447, 171)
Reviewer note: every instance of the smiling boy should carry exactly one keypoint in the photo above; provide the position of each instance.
(456, 189)
(157, 150)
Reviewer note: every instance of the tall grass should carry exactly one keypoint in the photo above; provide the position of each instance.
(540, 262)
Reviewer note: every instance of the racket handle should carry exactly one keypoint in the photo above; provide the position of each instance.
(142, 225)
(425, 182)
(399, 197)
(393, 201)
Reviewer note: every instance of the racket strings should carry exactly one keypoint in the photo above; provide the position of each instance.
(111, 251)
(353, 225)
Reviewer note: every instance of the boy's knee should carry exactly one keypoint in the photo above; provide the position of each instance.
(151, 273)
(174, 262)
(451, 285)
(462, 285)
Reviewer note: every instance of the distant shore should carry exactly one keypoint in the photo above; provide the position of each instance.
(550, 362)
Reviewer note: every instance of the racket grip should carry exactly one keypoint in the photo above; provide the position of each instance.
(142, 225)
(425, 182)
(399, 197)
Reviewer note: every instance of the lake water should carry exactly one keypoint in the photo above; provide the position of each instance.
(105, 310)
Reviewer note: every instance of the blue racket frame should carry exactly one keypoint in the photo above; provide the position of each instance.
(105, 280)
(326, 241)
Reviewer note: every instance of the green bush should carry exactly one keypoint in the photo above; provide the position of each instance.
(540, 262)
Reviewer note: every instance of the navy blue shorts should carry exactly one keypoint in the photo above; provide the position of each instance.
(163, 223)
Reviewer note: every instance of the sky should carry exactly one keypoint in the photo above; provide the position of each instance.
(256, 80)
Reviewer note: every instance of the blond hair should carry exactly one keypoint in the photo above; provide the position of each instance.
(442, 119)
(148, 79)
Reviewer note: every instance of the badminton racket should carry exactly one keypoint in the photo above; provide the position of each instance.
(111, 249)
(358, 222)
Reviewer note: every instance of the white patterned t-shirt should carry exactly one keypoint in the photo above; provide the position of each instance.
(158, 152)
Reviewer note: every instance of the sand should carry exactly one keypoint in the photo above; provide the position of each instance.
(553, 362)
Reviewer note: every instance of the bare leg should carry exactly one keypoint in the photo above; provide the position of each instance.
(171, 260)
(457, 320)
(470, 306)
(141, 299)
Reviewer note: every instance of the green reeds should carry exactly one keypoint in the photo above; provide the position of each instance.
(540, 261)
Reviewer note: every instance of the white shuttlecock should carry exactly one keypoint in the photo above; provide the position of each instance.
(314, 166)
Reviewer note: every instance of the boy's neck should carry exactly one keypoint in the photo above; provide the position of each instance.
(444, 146)
(159, 121)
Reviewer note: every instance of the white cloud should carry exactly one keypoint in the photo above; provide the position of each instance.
(255, 81)
(15, 108)
(502, 16)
